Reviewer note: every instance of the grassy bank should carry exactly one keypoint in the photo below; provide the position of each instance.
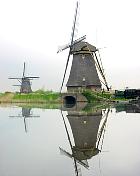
(34, 97)
(41, 96)
(97, 96)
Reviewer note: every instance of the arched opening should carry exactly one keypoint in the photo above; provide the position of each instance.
(69, 101)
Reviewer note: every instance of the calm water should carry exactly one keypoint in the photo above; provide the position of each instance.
(48, 142)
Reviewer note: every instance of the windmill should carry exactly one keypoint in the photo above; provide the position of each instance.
(25, 84)
(86, 62)
(88, 132)
(26, 113)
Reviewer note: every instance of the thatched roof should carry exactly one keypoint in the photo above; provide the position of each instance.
(83, 46)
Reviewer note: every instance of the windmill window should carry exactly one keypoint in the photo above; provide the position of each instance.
(84, 79)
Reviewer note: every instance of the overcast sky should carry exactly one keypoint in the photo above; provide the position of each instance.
(32, 30)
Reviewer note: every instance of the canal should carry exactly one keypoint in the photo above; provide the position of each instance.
(76, 141)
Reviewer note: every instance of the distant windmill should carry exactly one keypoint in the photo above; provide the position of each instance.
(86, 62)
(25, 84)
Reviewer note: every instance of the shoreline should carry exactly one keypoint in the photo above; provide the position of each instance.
(49, 97)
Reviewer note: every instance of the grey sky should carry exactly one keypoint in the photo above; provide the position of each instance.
(32, 30)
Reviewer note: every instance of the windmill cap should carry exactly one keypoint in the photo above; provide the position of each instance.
(83, 47)
(85, 153)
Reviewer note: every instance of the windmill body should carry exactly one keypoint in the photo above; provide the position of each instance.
(83, 74)
(25, 86)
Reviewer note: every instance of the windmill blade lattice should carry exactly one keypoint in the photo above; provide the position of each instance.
(74, 42)
(99, 65)
(23, 75)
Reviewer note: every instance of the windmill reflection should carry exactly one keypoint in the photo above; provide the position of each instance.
(25, 113)
(88, 133)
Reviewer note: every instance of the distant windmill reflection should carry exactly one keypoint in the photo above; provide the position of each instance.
(88, 132)
(25, 113)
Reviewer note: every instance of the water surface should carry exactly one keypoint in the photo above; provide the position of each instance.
(74, 141)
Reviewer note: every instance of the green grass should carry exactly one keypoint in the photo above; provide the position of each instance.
(96, 96)
(46, 96)
(38, 96)
(101, 96)
(90, 96)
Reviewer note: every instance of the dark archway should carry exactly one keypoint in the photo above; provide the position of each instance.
(69, 101)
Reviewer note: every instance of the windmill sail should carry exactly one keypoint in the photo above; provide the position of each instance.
(83, 163)
(74, 42)
(71, 44)
(101, 70)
